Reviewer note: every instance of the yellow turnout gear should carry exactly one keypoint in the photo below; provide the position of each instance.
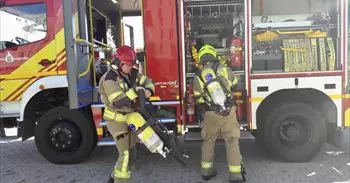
(119, 96)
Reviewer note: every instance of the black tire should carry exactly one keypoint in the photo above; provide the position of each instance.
(259, 133)
(2, 129)
(294, 132)
(65, 136)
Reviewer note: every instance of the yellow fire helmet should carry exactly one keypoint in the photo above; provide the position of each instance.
(207, 54)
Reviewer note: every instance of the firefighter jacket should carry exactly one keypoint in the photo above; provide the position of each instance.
(118, 92)
(226, 78)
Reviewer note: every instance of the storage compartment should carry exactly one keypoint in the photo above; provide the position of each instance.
(216, 23)
(220, 24)
(294, 36)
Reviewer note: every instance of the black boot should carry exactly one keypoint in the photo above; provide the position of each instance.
(236, 178)
(110, 180)
(237, 181)
(208, 177)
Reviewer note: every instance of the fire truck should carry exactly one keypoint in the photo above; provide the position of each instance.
(290, 58)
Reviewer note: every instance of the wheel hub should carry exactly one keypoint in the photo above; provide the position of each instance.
(64, 136)
(292, 132)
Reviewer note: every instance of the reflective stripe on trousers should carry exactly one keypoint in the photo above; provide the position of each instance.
(123, 162)
(206, 165)
(214, 125)
(235, 168)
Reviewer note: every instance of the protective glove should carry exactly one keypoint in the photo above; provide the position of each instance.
(147, 92)
(137, 88)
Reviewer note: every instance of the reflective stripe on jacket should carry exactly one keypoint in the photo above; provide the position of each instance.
(113, 88)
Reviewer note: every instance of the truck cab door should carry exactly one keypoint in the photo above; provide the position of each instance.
(80, 75)
(23, 58)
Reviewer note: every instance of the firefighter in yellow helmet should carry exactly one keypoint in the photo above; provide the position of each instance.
(118, 89)
(196, 45)
(212, 89)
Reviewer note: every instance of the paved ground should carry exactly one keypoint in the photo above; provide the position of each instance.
(21, 163)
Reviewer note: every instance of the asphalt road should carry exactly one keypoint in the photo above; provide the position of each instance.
(22, 163)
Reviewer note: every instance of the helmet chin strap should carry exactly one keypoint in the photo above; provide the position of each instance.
(120, 69)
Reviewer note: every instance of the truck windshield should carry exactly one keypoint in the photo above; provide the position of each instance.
(22, 24)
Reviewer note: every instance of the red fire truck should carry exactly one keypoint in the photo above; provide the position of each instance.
(290, 58)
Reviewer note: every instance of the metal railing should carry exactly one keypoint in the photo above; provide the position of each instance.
(201, 10)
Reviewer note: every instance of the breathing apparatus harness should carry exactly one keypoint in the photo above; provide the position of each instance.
(216, 103)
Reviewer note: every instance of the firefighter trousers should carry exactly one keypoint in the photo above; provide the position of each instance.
(212, 126)
(125, 142)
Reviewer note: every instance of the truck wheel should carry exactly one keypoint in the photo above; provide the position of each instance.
(294, 132)
(64, 136)
(2, 129)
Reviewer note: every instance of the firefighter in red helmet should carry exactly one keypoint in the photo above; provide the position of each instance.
(118, 88)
